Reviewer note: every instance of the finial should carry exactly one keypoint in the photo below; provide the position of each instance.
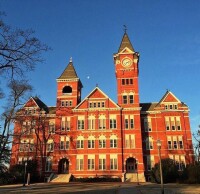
(96, 85)
(125, 28)
(70, 60)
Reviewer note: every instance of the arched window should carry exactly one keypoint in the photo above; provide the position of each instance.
(91, 141)
(102, 122)
(113, 141)
(79, 142)
(50, 145)
(67, 90)
(91, 122)
(102, 141)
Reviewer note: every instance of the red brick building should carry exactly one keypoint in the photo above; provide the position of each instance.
(97, 137)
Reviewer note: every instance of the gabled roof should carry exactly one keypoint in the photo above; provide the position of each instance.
(125, 43)
(169, 97)
(38, 103)
(69, 72)
(97, 93)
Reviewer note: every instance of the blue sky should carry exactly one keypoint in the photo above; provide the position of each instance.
(165, 33)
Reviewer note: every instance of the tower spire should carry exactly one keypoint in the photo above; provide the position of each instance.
(125, 41)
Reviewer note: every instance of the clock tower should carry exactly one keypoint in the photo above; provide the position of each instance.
(126, 69)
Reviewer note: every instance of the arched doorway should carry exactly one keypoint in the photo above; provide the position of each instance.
(63, 166)
(131, 165)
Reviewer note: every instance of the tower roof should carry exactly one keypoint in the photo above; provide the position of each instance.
(125, 43)
(69, 72)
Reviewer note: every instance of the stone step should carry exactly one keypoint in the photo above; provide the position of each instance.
(61, 178)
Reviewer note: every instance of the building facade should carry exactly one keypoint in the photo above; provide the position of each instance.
(97, 137)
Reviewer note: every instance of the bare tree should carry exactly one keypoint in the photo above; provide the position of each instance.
(18, 93)
(197, 144)
(20, 50)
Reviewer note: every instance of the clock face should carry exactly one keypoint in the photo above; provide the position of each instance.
(127, 62)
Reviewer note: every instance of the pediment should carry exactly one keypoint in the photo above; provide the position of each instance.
(96, 99)
(126, 50)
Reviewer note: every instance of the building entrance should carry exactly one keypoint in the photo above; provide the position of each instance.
(131, 165)
(63, 166)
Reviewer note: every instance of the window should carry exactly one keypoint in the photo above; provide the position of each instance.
(129, 141)
(113, 123)
(149, 143)
(79, 162)
(91, 159)
(113, 141)
(173, 124)
(124, 98)
(169, 142)
(50, 145)
(80, 122)
(91, 142)
(131, 99)
(96, 104)
(150, 162)
(51, 127)
(67, 144)
(178, 123)
(31, 145)
(79, 143)
(180, 142)
(91, 123)
(131, 81)
(64, 142)
(147, 124)
(102, 162)
(126, 123)
(167, 124)
(175, 146)
(26, 145)
(102, 141)
(90, 164)
(123, 81)
(113, 162)
(65, 123)
(48, 166)
(102, 122)
(67, 90)
(179, 161)
(127, 81)
(131, 123)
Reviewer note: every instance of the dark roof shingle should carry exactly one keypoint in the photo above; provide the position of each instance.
(69, 72)
(125, 43)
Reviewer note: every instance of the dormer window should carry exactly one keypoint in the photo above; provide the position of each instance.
(67, 90)
(171, 107)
